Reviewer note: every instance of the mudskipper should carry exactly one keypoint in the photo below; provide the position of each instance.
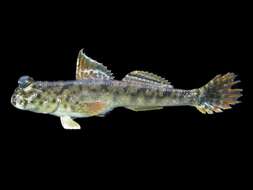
(95, 92)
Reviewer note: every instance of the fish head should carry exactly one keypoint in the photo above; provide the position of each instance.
(25, 94)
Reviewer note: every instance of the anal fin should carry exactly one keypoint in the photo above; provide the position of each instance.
(144, 108)
(101, 115)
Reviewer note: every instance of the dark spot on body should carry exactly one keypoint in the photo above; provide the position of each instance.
(14, 97)
(29, 93)
(181, 94)
(41, 102)
(126, 89)
(33, 101)
(67, 98)
(104, 88)
(92, 89)
(73, 92)
(133, 97)
(76, 102)
(141, 91)
(116, 93)
(149, 92)
(167, 93)
(115, 97)
(73, 107)
(48, 105)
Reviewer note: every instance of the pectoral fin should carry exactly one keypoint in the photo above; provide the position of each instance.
(144, 108)
(69, 123)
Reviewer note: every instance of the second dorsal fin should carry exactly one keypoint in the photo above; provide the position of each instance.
(146, 77)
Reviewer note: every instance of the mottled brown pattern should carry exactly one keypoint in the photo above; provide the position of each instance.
(95, 92)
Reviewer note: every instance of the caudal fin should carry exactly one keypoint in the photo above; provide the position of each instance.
(218, 94)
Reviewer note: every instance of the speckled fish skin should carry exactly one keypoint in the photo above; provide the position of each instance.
(71, 97)
(96, 92)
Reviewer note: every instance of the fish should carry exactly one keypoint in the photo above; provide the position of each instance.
(96, 92)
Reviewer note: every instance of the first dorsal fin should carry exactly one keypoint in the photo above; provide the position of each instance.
(146, 77)
(88, 68)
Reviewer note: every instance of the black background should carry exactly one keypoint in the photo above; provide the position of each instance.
(188, 47)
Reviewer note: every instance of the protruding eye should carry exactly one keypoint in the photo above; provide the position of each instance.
(25, 81)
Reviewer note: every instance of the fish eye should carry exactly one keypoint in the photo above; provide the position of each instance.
(25, 81)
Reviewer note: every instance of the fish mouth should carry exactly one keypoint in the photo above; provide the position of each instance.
(17, 102)
(13, 100)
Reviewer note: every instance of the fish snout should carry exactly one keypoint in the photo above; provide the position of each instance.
(18, 102)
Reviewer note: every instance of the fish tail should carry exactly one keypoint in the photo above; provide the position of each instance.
(218, 94)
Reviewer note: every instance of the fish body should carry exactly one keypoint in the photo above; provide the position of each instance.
(87, 98)
(96, 92)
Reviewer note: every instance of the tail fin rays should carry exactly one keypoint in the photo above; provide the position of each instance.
(218, 94)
